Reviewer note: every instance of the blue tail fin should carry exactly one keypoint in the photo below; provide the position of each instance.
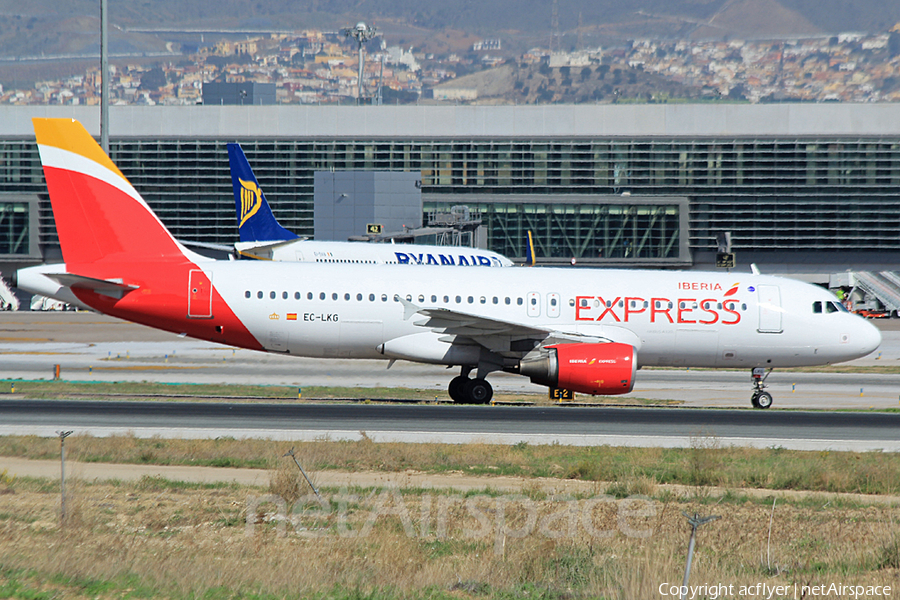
(256, 222)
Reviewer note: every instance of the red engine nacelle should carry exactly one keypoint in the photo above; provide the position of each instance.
(588, 368)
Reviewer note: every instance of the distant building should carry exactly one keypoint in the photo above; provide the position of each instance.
(247, 93)
(493, 44)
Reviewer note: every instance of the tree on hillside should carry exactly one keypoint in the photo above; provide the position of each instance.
(894, 44)
(153, 79)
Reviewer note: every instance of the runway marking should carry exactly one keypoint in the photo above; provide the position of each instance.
(36, 352)
(144, 368)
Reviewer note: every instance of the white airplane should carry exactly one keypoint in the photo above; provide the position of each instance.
(263, 237)
(585, 330)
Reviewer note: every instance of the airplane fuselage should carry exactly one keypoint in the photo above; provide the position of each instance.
(695, 319)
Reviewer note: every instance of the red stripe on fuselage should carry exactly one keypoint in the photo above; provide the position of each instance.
(161, 300)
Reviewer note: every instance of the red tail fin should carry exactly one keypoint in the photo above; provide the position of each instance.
(99, 215)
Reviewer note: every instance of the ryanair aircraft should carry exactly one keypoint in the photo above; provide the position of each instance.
(585, 330)
(263, 237)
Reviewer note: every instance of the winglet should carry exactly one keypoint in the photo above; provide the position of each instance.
(529, 251)
(409, 309)
(256, 223)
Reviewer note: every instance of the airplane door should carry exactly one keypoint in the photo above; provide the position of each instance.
(769, 309)
(199, 295)
(553, 305)
(534, 304)
(277, 340)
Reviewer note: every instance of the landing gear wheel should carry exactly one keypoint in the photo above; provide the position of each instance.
(478, 391)
(760, 398)
(456, 389)
(763, 400)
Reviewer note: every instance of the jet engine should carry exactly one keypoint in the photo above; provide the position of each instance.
(587, 368)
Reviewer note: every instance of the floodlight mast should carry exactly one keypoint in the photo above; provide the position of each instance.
(363, 33)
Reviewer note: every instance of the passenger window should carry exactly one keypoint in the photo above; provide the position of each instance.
(744, 306)
(534, 301)
(482, 299)
(496, 300)
(433, 299)
(259, 294)
(552, 301)
(458, 299)
(284, 295)
(507, 300)
(621, 303)
(409, 297)
(421, 298)
(247, 294)
(396, 297)
(272, 295)
(519, 301)
(384, 297)
(334, 296)
(584, 303)
(296, 295)
(371, 297)
(446, 299)
(321, 295)
(346, 296)
(309, 295)
(471, 299)
(359, 297)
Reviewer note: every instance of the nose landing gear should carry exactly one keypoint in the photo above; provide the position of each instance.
(760, 398)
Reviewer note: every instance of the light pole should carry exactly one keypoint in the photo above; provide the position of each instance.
(104, 77)
(363, 33)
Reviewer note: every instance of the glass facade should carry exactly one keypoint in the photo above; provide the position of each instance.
(802, 194)
(14, 230)
(581, 230)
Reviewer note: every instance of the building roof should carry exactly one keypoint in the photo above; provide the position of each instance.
(470, 122)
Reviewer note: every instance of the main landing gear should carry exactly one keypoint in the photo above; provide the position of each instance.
(470, 391)
(760, 398)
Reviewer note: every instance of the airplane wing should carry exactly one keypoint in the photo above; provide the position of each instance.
(108, 287)
(504, 337)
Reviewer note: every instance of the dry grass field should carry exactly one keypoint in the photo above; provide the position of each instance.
(621, 537)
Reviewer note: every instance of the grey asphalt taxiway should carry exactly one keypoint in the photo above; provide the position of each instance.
(90, 347)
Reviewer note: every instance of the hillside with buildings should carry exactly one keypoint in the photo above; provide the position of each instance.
(156, 61)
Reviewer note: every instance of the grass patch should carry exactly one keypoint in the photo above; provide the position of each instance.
(703, 464)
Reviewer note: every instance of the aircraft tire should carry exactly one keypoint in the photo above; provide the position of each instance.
(754, 399)
(456, 389)
(763, 400)
(478, 391)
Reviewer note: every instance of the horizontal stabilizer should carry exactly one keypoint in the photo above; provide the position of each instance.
(108, 287)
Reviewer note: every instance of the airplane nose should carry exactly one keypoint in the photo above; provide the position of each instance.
(868, 338)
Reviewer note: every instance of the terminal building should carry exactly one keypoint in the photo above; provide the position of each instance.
(802, 188)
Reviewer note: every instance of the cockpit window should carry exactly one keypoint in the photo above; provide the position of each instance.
(817, 307)
(831, 307)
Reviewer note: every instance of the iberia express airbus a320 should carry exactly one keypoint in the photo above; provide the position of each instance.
(586, 330)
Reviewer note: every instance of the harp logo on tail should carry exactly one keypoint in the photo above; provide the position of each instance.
(251, 199)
